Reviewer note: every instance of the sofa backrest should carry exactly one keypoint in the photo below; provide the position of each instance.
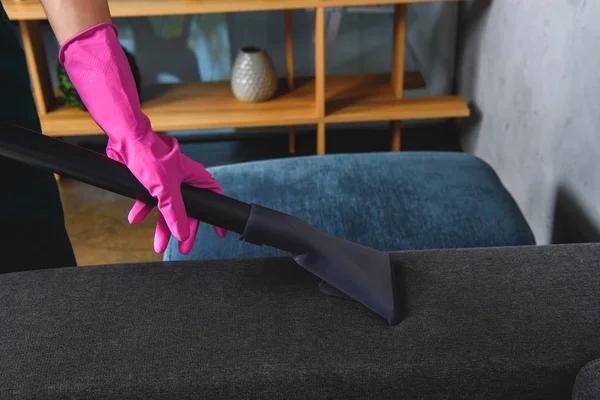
(480, 323)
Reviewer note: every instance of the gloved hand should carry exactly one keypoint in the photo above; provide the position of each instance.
(100, 72)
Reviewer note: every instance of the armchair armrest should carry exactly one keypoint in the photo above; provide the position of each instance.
(587, 383)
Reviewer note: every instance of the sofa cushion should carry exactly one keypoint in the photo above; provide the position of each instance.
(388, 201)
(587, 384)
(495, 323)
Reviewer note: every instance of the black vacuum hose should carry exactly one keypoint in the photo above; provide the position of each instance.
(32, 148)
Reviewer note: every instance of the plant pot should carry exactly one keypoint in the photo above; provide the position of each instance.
(253, 76)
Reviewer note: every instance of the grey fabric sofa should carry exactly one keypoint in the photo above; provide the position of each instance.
(488, 323)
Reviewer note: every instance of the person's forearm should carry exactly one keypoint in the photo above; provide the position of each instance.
(68, 17)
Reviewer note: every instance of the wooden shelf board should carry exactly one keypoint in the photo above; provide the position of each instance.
(208, 105)
(32, 9)
(200, 105)
(358, 3)
(370, 97)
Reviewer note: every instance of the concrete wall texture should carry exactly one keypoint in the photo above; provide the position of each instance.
(531, 71)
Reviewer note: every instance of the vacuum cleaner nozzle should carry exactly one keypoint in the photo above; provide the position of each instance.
(346, 269)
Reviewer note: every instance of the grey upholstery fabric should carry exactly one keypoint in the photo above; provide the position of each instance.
(481, 323)
(587, 384)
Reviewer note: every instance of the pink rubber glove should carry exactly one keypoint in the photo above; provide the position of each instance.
(100, 72)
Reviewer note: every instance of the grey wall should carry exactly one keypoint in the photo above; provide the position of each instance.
(203, 47)
(531, 70)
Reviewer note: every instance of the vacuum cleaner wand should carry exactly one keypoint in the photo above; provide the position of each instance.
(346, 269)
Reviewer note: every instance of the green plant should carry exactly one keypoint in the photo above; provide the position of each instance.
(68, 93)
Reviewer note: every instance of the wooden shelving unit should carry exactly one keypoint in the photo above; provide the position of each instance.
(314, 100)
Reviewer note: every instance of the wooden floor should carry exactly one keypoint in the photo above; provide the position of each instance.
(97, 220)
(97, 225)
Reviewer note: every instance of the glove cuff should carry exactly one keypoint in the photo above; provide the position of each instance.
(99, 70)
(88, 32)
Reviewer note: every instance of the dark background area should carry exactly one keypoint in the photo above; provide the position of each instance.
(251, 145)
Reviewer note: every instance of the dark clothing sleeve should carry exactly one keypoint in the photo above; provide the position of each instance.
(32, 227)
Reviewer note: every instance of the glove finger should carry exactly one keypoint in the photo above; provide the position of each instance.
(198, 176)
(220, 232)
(113, 155)
(139, 212)
(173, 209)
(186, 246)
(162, 235)
(215, 187)
(204, 183)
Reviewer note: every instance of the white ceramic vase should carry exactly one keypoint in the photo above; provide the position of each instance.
(253, 76)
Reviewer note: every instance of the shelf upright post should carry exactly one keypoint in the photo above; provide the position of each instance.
(289, 53)
(39, 75)
(399, 50)
(33, 46)
(320, 77)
